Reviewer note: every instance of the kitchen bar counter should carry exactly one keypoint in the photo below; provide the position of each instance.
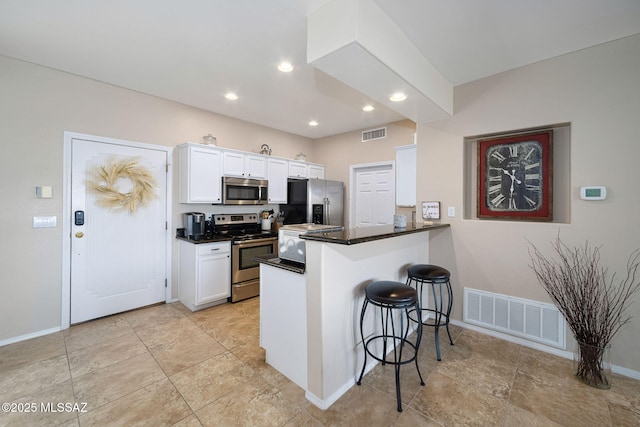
(354, 236)
(309, 319)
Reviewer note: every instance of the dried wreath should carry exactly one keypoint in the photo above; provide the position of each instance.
(104, 179)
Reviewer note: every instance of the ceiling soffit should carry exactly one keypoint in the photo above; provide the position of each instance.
(355, 42)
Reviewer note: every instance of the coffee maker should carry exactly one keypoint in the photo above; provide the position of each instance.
(194, 225)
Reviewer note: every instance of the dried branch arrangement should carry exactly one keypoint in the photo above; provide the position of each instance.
(594, 307)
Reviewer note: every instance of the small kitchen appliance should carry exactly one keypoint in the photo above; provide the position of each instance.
(194, 224)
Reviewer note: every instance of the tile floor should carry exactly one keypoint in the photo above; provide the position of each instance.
(164, 365)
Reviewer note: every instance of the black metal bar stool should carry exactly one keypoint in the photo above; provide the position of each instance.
(438, 278)
(390, 296)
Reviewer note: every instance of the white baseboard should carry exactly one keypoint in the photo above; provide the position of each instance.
(326, 403)
(537, 346)
(37, 334)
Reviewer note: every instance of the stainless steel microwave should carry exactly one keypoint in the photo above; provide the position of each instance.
(244, 191)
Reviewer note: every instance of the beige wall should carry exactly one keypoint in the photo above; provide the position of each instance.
(597, 91)
(339, 152)
(37, 105)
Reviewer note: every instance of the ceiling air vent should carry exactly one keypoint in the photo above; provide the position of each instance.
(370, 135)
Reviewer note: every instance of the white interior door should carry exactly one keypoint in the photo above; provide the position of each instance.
(118, 247)
(374, 195)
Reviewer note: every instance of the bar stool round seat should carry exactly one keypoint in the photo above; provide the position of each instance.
(437, 313)
(390, 296)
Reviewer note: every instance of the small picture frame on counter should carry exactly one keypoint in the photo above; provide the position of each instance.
(431, 210)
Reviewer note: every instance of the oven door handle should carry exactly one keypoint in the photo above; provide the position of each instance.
(243, 242)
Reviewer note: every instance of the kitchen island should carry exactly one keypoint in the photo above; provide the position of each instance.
(309, 317)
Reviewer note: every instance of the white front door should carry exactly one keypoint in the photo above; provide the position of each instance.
(374, 195)
(118, 227)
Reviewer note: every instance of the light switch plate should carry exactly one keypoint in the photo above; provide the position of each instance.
(44, 192)
(451, 212)
(45, 221)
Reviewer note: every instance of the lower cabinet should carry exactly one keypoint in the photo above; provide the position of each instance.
(205, 274)
(283, 332)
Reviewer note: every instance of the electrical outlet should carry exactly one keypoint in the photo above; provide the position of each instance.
(451, 212)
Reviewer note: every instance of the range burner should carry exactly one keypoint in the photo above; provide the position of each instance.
(239, 227)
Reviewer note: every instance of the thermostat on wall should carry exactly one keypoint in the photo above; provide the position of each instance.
(595, 192)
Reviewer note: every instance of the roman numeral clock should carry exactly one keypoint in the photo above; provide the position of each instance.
(515, 177)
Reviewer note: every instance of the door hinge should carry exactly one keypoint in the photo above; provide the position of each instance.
(166, 225)
(166, 168)
(165, 282)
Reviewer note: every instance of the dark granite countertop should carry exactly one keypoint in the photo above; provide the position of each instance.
(274, 261)
(215, 239)
(354, 236)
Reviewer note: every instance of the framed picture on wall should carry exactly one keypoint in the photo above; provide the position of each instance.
(515, 177)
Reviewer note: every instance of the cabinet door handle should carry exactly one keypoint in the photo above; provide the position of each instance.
(215, 249)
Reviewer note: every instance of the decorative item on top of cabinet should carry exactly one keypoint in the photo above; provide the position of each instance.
(265, 150)
(515, 177)
(209, 140)
(200, 174)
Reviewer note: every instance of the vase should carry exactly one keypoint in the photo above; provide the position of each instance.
(592, 364)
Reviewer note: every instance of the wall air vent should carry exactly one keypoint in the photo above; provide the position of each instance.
(532, 320)
(373, 134)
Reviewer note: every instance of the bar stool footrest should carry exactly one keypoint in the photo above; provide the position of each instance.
(426, 319)
(399, 341)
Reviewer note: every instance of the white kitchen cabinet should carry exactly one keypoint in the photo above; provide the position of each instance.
(406, 175)
(277, 175)
(200, 174)
(244, 165)
(315, 171)
(298, 170)
(205, 274)
(283, 333)
(255, 166)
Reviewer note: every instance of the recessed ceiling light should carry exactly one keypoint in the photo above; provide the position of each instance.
(313, 123)
(397, 97)
(285, 67)
(368, 108)
(231, 96)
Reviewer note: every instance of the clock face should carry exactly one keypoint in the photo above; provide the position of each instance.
(514, 177)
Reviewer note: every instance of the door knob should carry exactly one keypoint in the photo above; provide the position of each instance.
(79, 234)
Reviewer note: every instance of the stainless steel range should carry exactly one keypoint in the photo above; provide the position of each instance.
(247, 241)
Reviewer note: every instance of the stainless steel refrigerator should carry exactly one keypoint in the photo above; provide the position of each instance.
(316, 201)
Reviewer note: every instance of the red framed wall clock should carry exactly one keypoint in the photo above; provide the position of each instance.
(515, 177)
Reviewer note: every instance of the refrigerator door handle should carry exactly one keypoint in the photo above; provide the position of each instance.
(327, 213)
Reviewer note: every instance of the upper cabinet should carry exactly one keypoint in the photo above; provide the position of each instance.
(406, 175)
(244, 165)
(278, 174)
(315, 171)
(200, 174)
(298, 170)
(201, 168)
